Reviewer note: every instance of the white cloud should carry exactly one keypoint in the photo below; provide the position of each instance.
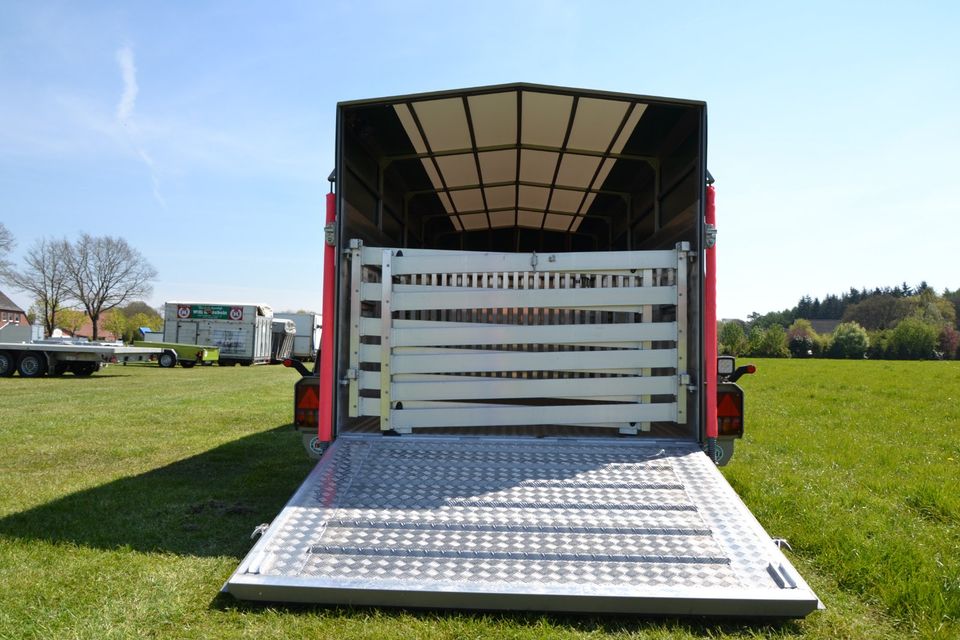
(128, 71)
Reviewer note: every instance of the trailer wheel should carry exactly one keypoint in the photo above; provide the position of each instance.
(84, 369)
(167, 359)
(32, 366)
(312, 444)
(187, 364)
(7, 366)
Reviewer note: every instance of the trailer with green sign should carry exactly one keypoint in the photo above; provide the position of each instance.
(240, 331)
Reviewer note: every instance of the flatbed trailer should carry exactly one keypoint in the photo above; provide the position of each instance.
(187, 355)
(519, 402)
(54, 358)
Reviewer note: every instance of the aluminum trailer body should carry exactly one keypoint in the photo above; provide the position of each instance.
(517, 406)
(56, 357)
(284, 334)
(306, 343)
(242, 332)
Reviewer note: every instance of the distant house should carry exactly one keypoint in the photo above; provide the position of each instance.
(10, 313)
(86, 331)
(824, 326)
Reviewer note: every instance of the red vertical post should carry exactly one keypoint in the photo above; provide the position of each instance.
(327, 382)
(710, 318)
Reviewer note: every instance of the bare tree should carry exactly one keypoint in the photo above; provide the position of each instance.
(105, 272)
(44, 278)
(6, 246)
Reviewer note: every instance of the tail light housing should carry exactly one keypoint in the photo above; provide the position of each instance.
(306, 402)
(729, 411)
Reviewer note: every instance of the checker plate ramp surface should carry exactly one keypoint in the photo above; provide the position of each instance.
(551, 524)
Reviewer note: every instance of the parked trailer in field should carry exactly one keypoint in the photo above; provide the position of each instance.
(284, 333)
(519, 288)
(242, 332)
(55, 357)
(307, 341)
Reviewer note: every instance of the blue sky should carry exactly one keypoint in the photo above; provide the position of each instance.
(203, 132)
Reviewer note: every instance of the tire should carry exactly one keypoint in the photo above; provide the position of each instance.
(187, 364)
(167, 359)
(84, 369)
(32, 365)
(7, 364)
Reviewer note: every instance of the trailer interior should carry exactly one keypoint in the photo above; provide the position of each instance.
(544, 174)
(517, 416)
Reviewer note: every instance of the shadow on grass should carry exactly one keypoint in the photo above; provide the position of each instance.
(624, 624)
(205, 505)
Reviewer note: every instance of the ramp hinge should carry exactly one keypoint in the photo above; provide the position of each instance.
(710, 236)
(330, 234)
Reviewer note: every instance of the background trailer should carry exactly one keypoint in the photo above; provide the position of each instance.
(243, 332)
(307, 341)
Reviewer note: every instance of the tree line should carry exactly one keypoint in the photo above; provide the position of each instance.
(90, 275)
(901, 322)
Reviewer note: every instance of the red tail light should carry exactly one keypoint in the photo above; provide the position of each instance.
(306, 403)
(730, 412)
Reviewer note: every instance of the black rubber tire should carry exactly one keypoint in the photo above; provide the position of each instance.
(32, 365)
(167, 360)
(84, 369)
(187, 364)
(8, 364)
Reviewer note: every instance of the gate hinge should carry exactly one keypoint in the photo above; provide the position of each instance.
(685, 378)
(710, 234)
(534, 260)
(330, 234)
(351, 374)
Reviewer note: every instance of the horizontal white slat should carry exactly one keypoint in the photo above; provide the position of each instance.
(414, 261)
(534, 361)
(414, 297)
(494, 389)
(482, 334)
(496, 416)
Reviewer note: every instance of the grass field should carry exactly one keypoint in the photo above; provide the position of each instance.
(127, 498)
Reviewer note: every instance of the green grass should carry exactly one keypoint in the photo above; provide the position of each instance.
(126, 499)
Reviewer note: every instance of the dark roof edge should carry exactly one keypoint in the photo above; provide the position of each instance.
(515, 86)
(9, 305)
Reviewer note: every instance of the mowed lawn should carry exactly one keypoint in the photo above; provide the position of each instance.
(127, 498)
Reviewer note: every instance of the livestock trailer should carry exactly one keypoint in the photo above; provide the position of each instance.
(517, 401)
(307, 341)
(242, 332)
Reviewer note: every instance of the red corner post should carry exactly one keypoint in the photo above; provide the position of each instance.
(710, 320)
(327, 383)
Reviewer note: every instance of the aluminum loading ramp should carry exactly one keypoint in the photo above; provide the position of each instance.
(565, 524)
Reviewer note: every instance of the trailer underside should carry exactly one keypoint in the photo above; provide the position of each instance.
(554, 524)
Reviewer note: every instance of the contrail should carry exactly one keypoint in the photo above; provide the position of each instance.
(128, 100)
(129, 72)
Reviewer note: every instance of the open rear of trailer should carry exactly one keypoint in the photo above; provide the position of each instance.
(517, 388)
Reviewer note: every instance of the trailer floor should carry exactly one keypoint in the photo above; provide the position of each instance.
(571, 524)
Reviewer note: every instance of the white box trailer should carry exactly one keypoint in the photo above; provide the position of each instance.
(519, 404)
(307, 341)
(242, 331)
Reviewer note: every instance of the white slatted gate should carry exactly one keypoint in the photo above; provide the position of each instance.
(475, 339)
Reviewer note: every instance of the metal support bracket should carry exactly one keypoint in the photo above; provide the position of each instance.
(710, 236)
(330, 234)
